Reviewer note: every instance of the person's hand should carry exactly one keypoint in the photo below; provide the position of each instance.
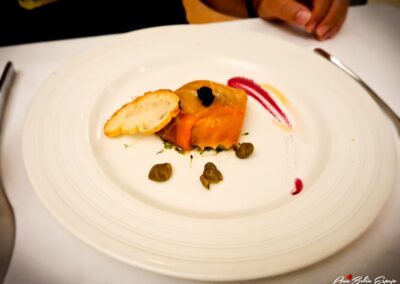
(324, 19)
(327, 17)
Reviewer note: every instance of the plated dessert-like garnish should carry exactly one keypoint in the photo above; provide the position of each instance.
(202, 114)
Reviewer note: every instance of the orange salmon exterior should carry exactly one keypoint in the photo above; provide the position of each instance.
(218, 125)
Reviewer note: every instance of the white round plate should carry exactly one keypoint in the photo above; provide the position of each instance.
(249, 225)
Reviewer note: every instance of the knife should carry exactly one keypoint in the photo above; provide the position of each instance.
(7, 218)
(384, 106)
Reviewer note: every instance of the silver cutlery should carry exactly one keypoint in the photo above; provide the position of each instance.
(384, 106)
(7, 218)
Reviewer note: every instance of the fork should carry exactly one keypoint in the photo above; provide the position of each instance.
(384, 106)
(7, 217)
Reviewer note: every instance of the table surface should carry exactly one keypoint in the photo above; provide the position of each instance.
(46, 252)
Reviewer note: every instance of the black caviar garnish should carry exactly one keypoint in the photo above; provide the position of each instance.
(206, 96)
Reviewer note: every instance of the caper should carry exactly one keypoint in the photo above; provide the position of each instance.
(160, 172)
(205, 182)
(210, 175)
(244, 150)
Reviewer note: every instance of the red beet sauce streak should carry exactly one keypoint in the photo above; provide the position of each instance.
(255, 90)
(298, 186)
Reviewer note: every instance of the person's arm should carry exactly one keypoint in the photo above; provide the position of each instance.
(266, 9)
(235, 8)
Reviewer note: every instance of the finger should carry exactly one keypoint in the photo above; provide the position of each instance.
(319, 11)
(288, 10)
(335, 29)
(333, 20)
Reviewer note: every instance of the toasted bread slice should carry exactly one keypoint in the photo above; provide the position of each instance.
(146, 114)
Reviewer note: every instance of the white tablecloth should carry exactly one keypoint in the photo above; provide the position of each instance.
(46, 253)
